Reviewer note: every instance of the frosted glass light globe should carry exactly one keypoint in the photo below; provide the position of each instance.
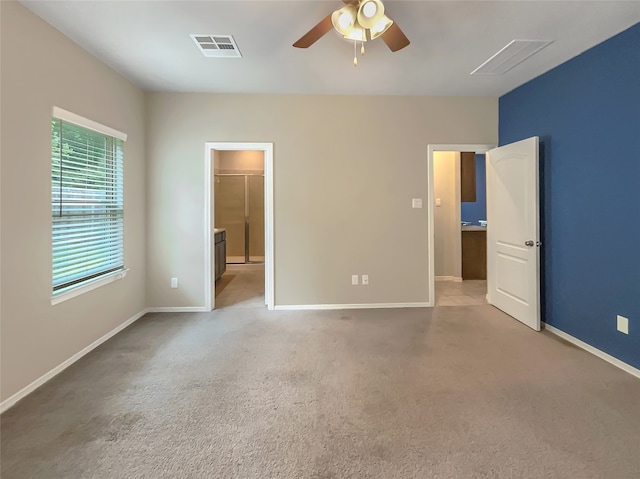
(345, 20)
(369, 9)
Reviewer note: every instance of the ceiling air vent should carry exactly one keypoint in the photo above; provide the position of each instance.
(514, 53)
(217, 46)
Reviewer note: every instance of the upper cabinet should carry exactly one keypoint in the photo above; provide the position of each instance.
(468, 176)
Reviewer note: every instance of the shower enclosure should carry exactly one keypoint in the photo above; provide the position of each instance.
(239, 208)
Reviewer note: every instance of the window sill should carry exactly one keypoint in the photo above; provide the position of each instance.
(110, 278)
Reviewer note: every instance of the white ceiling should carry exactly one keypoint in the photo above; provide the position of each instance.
(149, 42)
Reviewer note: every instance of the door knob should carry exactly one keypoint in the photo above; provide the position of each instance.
(528, 243)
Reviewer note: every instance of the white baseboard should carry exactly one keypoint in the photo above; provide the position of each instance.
(10, 401)
(595, 351)
(449, 278)
(302, 307)
(178, 309)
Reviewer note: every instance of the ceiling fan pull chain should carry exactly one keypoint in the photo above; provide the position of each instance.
(355, 53)
(362, 49)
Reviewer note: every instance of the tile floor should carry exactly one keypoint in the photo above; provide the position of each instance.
(241, 287)
(461, 293)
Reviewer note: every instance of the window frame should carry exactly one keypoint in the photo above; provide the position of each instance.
(107, 277)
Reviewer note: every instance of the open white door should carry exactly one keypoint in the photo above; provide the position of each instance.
(513, 237)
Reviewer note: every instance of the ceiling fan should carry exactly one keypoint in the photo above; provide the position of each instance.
(358, 20)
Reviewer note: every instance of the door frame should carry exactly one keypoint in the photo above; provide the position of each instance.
(209, 219)
(431, 149)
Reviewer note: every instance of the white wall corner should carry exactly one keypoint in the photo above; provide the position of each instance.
(12, 400)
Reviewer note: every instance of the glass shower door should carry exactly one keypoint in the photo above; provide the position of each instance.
(239, 208)
(230, 214)
(256, 219)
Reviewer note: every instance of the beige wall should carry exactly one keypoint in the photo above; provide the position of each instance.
(345, 171)
(446, 219)
(42, 68)
(241, 161)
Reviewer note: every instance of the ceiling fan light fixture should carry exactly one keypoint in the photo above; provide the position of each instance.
(369, 9)
(344, 19)
(380, 27)
(370, 12)
(357, 33)
(361, 20)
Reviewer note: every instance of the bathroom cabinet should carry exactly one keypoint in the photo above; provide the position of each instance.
(468, 176)
(474, 252)
(220, 235)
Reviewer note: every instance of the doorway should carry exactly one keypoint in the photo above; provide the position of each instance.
(446, 235)
(513, 231)
(239, 221)
(239, 204)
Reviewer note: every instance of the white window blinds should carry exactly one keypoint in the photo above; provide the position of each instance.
(87, 204)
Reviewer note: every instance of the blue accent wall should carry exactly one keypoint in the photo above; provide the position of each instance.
(587, 115)
(473, 212)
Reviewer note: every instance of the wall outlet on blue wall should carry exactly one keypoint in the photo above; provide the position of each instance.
(623, 324)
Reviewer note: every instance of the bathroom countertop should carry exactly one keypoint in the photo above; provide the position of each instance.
(218, 230)
(474, 228)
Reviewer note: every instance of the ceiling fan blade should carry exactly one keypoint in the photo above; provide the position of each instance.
(395, 38)
(315, 34)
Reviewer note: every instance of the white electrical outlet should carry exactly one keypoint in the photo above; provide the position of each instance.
(174, 282)
(365, 279)
(416, 202)
(623, 324)
(354, 279)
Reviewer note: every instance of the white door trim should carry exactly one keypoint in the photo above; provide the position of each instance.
(430, 206)
(209, 221)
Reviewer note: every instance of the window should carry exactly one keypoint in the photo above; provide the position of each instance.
(86, 201)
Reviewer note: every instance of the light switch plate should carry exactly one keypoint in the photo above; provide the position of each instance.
(438, 202)
(416, 203)
(354, 279)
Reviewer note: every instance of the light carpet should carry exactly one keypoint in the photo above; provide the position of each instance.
(454, 392)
